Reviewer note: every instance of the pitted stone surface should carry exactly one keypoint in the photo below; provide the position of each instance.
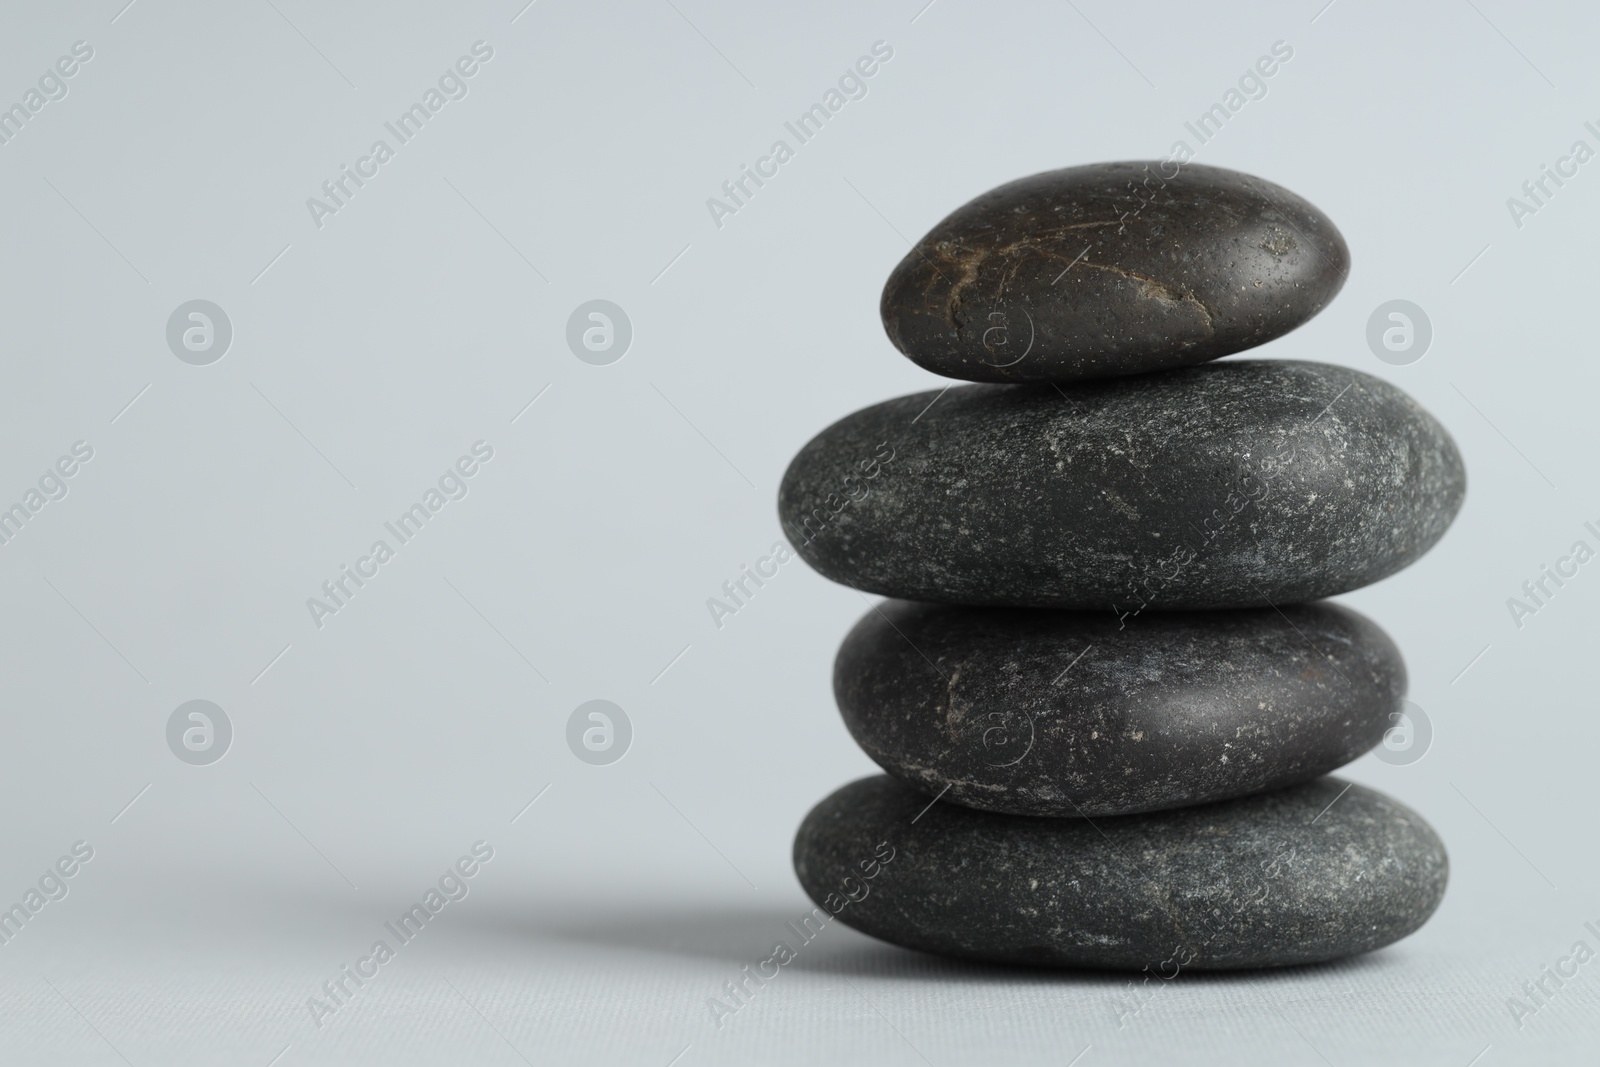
(1299, 875)
(1065, 713)
(1237, 484)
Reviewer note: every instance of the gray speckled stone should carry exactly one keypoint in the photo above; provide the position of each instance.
(1229, 485)
(1273, 879)
(1111, 269)
(1070, 713)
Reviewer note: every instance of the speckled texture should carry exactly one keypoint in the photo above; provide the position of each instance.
(1236, 484)
(1269, 880)
(1064, 713)
(1111, 269)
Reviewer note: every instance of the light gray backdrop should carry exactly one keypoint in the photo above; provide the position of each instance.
(374, 345)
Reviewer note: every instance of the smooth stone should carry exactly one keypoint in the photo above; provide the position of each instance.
(1111, 269)
(1067, 713)
(1237, 484)
(1313, 872)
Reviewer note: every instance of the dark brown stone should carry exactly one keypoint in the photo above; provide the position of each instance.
(1111, 269)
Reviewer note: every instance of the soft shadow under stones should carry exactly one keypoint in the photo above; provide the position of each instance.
(740, 937)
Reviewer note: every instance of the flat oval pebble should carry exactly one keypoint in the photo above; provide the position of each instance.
(1067, 713)
(1313, 872)
(1111, 269)
(1238, 484)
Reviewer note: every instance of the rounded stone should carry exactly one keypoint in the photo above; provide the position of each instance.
(1314, 872)
(1111, 269)
(1237, 484)
(1066, 713)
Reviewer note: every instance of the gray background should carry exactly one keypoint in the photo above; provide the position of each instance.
(426, 315)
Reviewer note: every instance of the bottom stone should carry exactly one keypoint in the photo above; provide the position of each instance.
(1309, 873)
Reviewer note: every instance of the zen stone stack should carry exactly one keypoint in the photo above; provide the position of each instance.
(1106, 689)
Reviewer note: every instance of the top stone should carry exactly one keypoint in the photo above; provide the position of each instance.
(1111, 269)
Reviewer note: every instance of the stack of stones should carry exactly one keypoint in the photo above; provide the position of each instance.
(1106, 689)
